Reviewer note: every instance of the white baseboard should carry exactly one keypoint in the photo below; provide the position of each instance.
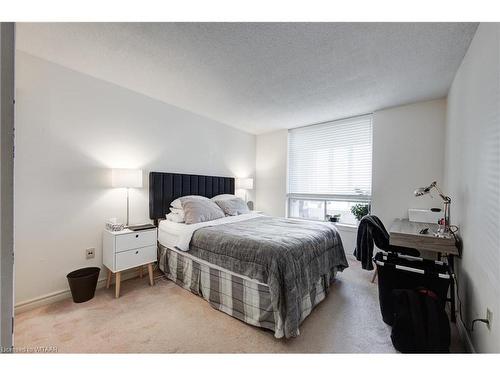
(64, 294)
(464, 334)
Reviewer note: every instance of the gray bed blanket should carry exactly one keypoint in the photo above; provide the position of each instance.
(288, 255)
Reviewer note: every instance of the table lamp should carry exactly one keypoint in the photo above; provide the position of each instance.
(245, 184)
(126, 178)
(446, 202)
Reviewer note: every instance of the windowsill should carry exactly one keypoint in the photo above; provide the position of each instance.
(340, 226)
(346, 227)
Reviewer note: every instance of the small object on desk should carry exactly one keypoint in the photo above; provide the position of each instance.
(421, 215)
(424, 231)
(441, 231)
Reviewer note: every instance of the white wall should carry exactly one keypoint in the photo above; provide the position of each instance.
(473, 180)
(70, 129)
(271, 169)
(408, 152)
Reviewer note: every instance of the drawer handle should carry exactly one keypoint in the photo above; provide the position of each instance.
(136, 236)
(137, 252)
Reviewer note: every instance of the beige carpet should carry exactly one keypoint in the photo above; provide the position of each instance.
(168, 319)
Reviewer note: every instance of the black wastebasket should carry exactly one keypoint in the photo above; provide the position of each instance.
(82, 283)
(405, 272)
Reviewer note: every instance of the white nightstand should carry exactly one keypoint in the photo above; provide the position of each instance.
(128, 249)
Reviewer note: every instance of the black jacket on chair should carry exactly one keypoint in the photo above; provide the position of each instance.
(371, 231)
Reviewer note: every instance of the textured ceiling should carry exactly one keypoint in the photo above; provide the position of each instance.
(267, 76)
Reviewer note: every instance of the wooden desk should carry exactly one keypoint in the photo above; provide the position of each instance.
(407, 234)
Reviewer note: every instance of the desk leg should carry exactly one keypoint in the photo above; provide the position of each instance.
(451, 265)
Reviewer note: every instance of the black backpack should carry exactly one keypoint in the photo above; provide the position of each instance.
(420, 322)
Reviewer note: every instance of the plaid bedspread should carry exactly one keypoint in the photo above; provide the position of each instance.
(245, 299)
(290, 256)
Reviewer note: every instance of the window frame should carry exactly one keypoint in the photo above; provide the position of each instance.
(325, 198)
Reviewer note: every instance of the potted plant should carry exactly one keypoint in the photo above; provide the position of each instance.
(359, 210)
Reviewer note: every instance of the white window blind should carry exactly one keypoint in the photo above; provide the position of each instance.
(332, 159)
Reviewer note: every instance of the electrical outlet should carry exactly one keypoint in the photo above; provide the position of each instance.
(90, 253)
(489, 317)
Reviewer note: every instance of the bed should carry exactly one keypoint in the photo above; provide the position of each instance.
(268, 272)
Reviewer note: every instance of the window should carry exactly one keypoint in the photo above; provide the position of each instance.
(330, 169)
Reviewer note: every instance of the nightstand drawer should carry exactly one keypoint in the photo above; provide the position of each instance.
(135, 240)
(136, 257)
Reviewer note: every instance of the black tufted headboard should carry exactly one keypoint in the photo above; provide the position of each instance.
(166, 187)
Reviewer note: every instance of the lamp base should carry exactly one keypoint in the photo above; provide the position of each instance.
(443, 232)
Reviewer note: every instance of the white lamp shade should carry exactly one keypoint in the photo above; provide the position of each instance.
(126, 178)
(244, 183)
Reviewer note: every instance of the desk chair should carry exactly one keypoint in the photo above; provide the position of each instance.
(378, 234)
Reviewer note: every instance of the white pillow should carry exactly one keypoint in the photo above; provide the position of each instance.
(176, 218)
(223, 197)
(199, 210)
(178, 202)
(177, 211)
(233, 207)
